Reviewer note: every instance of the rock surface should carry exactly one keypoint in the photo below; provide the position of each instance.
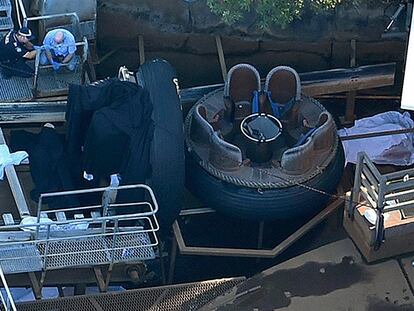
(184, 34)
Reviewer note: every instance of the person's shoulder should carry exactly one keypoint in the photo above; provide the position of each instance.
(68, 34)
(9, 37)
(50, 33)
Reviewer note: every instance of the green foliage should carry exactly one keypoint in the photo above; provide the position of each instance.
(279, 12)
(270, 12)
(230, 11)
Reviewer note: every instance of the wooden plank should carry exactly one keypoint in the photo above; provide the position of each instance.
(367, 174)
(36, 286)
(399, 174)
(350, 99)
(372, 168)
(55, 117)
(321, 82)
(313, 83)
(141, 49)
(100, 280)
(255, 253)
(15, 186)
(368, 198)
(15, 236)
(400, 186)
(369, 189)
(399, 195)
(376, 134)
(222, 60)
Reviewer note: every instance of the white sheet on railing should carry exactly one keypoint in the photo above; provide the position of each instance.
(7, 158)
(392, 149)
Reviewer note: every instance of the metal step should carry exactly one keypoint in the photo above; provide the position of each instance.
(91, 251)
(15, 88)
(82, 252)
(184, 297)
(6, 23)
(5, 6)
(20, 258)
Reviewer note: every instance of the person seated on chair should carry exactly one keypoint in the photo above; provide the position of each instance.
(59, 48)
(15, 50)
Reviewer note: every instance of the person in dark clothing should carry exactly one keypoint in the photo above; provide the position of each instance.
(109, 131)
(15, 50)
(48, 164)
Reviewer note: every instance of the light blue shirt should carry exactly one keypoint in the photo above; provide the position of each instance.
(63, 49)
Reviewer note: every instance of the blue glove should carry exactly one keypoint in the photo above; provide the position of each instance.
(55, 65)
(37, 47)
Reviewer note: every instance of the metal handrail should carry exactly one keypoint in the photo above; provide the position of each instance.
(20, 8)
(9, 303)
(83, 43)
(73, 15)
(377, 189)
(72, 240)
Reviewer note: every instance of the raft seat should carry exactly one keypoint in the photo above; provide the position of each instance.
(283, 90)
(300, 159)
(242, 87)
(200, 129)
(324, 135)
(242, 81)
(222, 154)
(307, 153)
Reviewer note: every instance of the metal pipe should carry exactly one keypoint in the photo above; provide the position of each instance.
(6, 287)
(376, 134)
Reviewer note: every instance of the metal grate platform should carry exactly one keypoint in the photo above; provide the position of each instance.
(15, 89)
(97, 250)
(49, 83)
(20, 258)
(6, 22)
(5, 5)
(82, 236)
(50, 80)
(184, 297)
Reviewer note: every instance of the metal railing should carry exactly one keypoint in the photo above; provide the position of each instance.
(106, 232)
(82, 236)
(100, 225)
(77, 33)
(382, 192)
(7, 299)
(85, 51)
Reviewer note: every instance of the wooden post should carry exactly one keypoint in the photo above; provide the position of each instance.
(350, 99)
(173, 258)
(36, 287)
(141, 49)
(15, 186)
(221, 58)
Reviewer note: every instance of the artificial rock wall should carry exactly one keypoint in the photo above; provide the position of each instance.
(184, 34)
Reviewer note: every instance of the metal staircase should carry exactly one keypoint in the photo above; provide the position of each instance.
(6, 22)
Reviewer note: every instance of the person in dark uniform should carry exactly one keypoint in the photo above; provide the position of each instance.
(15, 50)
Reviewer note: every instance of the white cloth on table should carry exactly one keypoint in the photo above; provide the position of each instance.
(397, 149)
(7, 158)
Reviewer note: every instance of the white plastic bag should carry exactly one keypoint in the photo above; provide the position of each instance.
(391, 149)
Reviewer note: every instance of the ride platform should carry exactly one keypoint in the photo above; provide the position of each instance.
(332, 277)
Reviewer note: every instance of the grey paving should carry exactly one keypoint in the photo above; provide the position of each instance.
(333, 277)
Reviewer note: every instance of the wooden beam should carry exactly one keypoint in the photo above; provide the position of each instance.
(141, 49)
(350, 99)
(222, 60)
(320, 82)
(313, 84)
(255, 253)
(15, 186)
